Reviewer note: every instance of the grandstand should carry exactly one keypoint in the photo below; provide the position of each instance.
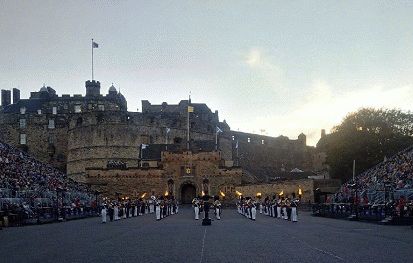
(32, 191)
(381, 193)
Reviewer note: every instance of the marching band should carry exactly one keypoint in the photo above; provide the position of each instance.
(277, 207)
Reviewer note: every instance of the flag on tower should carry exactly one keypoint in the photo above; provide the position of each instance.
(94, 44)
(218, 130)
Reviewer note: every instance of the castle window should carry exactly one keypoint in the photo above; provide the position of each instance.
(233, 137)
(101, 107)
(51, 124)
(23, 110)
(51, 139)
(23, 138)
(78, 108)
(262, 141)
(22, 123)
(54, 110)
(39, 112)
(249, 139)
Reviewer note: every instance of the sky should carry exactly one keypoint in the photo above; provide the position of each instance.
(268, 67)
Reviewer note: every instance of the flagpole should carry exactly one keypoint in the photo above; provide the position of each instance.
(187, 139)
(92, 59)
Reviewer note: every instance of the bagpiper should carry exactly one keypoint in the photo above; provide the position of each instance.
(217, 206)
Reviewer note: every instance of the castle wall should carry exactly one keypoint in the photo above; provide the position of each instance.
(136, 181)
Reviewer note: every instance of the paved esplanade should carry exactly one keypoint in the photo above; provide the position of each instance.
(235, 238)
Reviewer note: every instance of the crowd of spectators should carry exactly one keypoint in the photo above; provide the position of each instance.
(381, 183)
(27, 184)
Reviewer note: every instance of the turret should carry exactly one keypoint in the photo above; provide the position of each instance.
(92, 88)
(5, 97)
(16, 95)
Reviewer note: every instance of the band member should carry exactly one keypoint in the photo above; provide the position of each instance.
(103, 212)
(253, 209)
(294, 205)
(217, 206)
(110, 212)
(152, 203)
(260, 207)
(279, 207)
(195, 204)
(116, 211)
(157, 205)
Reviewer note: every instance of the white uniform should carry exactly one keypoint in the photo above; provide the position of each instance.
(116, 212)
(217, 206)
(195, 203)
(158, 210)
(279, 209)
(124, 212)
(294, 205)
(151, 204)
(253, 211)
(103, 214)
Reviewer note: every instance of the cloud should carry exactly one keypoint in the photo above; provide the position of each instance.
(323, 107)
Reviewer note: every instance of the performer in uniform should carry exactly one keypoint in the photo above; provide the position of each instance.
(157, 205)
(253, 209)
(294, 205)
(279, 207)
(217, 206)
(116, 211)
(152, 203)
(195, 204)
(103, 212)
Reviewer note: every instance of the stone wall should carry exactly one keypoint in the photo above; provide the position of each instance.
(136, 181)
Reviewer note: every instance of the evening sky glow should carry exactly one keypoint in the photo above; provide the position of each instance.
(285, 67)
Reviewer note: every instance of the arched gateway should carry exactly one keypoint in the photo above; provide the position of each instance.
(188, 192)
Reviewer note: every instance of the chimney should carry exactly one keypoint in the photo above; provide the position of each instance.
(16, 95)
(5, 97)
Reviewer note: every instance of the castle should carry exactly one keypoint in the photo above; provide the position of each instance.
(96, 140)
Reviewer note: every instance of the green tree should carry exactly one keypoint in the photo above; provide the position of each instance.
(367, 136)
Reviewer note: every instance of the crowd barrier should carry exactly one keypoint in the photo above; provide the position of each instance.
(384, 213)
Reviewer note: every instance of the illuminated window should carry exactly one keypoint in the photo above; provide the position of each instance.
(262, 141)
(101, 107)
(54, 109)
(22, 138)
(249, 139)
(22, 123)
(233, 137)
(23, 110)
(39, 112)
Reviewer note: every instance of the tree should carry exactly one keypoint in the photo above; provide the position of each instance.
(366, 136)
